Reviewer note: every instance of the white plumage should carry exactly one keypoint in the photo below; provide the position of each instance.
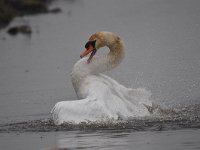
(101, 97)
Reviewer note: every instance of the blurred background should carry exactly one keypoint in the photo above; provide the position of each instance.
(162, 39)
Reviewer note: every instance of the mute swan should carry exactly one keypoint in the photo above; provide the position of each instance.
(100, 97)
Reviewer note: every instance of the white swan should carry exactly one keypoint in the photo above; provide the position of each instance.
(100, 97)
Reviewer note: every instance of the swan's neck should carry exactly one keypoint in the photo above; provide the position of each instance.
(99, 64)
(107, 62)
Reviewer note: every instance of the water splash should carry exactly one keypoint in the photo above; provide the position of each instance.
(183, 117)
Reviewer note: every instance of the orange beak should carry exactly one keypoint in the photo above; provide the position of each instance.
(87, 51)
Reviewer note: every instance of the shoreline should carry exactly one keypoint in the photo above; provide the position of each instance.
(9, 9)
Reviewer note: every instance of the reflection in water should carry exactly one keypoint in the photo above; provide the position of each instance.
(92, 140)
(138, 140)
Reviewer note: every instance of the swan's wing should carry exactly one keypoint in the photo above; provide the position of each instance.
(117, 100)
(68, 111)
(95, 106)
(139, 95)
(77, 111)
(105, 98)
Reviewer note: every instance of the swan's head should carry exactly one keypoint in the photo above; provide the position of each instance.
(98, 40)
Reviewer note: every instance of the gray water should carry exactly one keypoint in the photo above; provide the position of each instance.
(117, 140)
(162, 55)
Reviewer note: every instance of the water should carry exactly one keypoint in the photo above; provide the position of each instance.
(115, 139)
(162, 55)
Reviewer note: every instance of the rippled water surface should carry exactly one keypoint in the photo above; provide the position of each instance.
(162, 55)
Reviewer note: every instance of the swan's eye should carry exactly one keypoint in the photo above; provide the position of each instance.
(92, 43)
